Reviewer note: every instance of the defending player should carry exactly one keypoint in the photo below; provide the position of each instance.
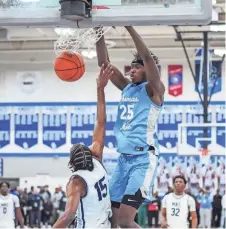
(177, 207)
(87, 190)
(138, 111)
(9, 206)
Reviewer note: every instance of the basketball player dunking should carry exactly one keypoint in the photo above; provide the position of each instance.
(9, 207)
(138, 112)
(87, 190)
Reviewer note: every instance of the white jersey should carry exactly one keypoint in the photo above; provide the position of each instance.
(94, 210)
(194, 179)
(208, 178)
(177, 209)
(7, 210)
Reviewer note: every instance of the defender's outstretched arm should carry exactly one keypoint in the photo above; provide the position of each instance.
(100, 126)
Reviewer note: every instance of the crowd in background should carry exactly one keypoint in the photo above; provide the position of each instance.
(41, 208)
(206, 184)
(198, 174)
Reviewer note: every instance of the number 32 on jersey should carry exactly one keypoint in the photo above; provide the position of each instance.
(126, 111)
(175, 212)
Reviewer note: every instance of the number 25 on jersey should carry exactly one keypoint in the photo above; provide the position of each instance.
(126, 112)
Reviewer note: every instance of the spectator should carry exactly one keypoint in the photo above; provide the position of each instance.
(46, 187)
(35, 203)
(216, 209)
(23, 197)
(221, 178)
(29, 207)
(223, 214)
(14, 191)
(56, 202)
(209, 178)
(45, 194)
(47, 213)
(153, 210)
(205, 200)
(163, 179)
(31, 191)
(62, 204)
(193, 180)
(176, 170)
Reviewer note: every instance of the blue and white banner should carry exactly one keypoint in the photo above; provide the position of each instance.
(41, 129)
(1, 167)
(54, 121)
(214, 74)
(5, 118)
(26, 126)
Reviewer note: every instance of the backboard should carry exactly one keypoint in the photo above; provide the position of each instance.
(199, 139)
(46, 13)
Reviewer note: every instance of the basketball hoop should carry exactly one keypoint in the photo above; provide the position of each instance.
(204, 156)
(73, 40)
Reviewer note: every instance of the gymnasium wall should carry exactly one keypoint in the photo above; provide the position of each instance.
(48, 88)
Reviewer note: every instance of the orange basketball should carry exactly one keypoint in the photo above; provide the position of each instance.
(69, 66)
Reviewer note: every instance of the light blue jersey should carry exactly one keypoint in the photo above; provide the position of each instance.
(136, 122)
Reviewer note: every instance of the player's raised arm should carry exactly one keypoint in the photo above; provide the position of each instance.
(151, 68)
(103, 58)
(76, 189)
(99, 130)
(102, 52)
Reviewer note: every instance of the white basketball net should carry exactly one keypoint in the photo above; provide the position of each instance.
(73, 40)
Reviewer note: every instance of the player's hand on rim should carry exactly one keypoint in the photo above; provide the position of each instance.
(105, 74)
